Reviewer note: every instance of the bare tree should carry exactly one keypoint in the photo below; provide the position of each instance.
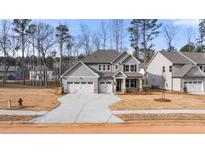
(169, 31)
(189, 33)
(20, 27)
(45, 38)
(85, 39)
(8, 45)
(118, 34)
(104, 33)
(4, 44)
(96, 40)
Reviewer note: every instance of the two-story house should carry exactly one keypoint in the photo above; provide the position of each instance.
(104, 71)
(177, 71)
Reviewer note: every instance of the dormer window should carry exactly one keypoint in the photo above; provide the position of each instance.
(99, 67)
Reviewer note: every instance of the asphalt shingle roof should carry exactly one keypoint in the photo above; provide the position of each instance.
(11, 68)
(101, 56)
(133, 74)
(188, 71)
(176, 58)
(199, 58)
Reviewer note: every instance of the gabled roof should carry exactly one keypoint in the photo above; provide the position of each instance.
(120, 72)
(176, 58)
(80, 62)
(101, 56)
(128, 56)
(198, 58)
(189, 71)
(123, 54)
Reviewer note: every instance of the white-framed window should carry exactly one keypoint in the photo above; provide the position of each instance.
(99, 67)
(170, 68)
(108, 67)
(163, 69)
(133, 68)
(133, 83)
(104, 67)
(127, 68)
(127, 83)
(116, 67)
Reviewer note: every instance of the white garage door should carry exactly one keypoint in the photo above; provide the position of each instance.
(80, 87)
(194, 86)
(105, 87)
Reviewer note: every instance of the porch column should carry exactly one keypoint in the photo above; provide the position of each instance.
(140, 84)
(114, 85)
(123, 84)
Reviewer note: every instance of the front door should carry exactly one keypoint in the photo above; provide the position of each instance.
(118, 86)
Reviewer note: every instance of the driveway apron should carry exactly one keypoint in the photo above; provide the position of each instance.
(82, 108)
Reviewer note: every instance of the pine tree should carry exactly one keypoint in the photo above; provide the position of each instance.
(149, 30)
(63, 37)
(134, 36)
(201, 34)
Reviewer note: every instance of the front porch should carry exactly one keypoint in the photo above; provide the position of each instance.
(123, 83)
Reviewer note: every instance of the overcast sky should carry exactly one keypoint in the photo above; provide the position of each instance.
(160, 43)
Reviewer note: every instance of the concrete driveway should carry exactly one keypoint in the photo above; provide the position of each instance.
(82, 108)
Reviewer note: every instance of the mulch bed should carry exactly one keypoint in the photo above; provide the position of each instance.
(162, 100)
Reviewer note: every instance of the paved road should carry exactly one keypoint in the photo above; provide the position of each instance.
(82, 108)
(158, 111)
(17, 112)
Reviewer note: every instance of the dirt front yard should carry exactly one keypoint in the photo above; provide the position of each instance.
(35, 99)
(145, 102)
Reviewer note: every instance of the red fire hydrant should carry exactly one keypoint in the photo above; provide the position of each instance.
(20, 101)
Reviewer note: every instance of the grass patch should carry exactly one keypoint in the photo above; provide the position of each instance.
(170, 116)
(16, 118)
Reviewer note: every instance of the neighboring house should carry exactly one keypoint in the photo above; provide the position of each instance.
(13, 73)
(37, 73)
(104, 71)
(177, 71)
